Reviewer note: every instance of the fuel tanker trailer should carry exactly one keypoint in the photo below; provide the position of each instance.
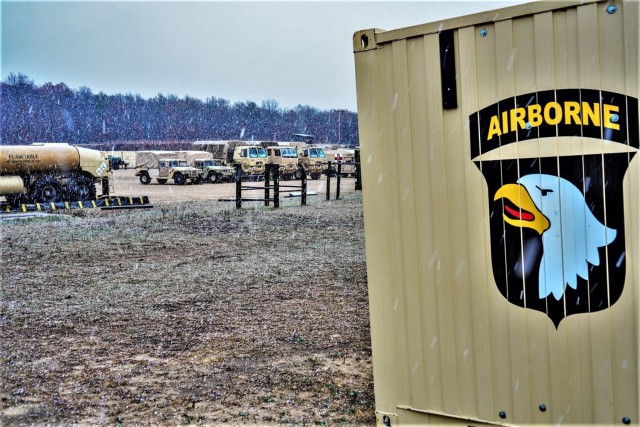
(51, 172)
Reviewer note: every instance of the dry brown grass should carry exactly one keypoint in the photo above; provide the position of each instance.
(188, 313)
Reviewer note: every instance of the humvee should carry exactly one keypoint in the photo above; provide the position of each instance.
(163, 167)
(214, 170)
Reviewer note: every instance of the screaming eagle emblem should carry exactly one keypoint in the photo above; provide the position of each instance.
(556, 204)
(571, 234)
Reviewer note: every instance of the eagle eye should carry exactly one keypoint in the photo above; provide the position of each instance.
(544, 191)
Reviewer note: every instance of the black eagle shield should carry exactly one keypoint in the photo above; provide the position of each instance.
(557, 223)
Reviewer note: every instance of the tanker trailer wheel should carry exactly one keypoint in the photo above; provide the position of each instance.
(82, 188)
(46, 190)
(145, 179)
(179, 179)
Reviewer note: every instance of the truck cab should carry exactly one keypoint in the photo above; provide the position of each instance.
(312, 159)
(286, 158)
(251, 158)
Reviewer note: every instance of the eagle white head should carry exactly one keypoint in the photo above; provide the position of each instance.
(571, 234)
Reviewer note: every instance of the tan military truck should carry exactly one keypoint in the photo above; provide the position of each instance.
(285, 156)
(164, 166)
(311, 159)
(214, 170)
(251, 157)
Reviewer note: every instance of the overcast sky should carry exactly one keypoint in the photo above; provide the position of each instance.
(292, 52)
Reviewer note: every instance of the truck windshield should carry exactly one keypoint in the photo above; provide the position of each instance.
(180, 164)
(316, 153)
(208, 163)
(289, 152)
(257, 152)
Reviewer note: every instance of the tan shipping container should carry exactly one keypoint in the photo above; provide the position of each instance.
(502, 215)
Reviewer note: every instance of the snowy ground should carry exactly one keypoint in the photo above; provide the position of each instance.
(188, 313)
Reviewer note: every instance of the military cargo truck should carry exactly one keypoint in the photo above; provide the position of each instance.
(501, 202)
(311, 159)
(51, 172)
(167, 165)
(284, 156)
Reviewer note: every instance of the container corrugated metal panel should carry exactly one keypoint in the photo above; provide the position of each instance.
(468, 322)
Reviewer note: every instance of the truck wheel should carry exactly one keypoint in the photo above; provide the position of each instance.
(145, 179)
(115, 166)
(179, 179)
(162, 181)
(315, 175)
(298, 174)
(197, 181)
(82, 188)
(214, 177)
(46, 190)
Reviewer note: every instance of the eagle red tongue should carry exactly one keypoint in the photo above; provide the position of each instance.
(522, 215)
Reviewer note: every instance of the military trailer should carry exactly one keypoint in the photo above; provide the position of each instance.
(51, 172)
(502, 215)
(167, 165)
(344, 156)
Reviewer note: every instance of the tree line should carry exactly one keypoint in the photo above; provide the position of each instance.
(57, 113)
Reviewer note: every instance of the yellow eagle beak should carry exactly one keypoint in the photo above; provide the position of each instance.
(524, 212)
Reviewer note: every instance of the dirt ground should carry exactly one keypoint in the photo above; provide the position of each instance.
(125, 183)
(191, 312)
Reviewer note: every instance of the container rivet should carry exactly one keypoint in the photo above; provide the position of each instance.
(542, 407)
(626, 420)
(612, 9)
(483, 32)
(615, 118)
(502, 414)
(527, 126)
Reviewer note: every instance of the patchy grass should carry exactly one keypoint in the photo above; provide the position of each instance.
(187, 314)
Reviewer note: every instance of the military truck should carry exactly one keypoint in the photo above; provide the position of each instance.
(166, 165)
(214, 170)
(251, 157)
(311, 159)
(51, 172)
(116, 162)
(286, 157)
